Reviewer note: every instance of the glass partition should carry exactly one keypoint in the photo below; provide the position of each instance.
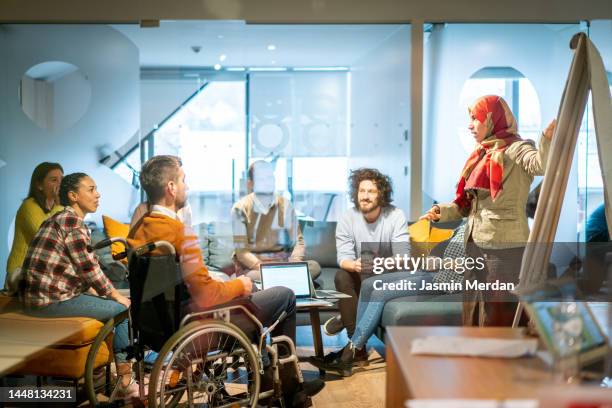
(527, 64)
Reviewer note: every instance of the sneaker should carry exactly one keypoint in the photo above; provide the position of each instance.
(326, 358)
(360, 358)
(333, 326)
(343, 364)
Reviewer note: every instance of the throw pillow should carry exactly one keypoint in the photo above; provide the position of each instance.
(424, 237)
(116, 229)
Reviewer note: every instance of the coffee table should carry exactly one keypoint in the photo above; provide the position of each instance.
(315, 323)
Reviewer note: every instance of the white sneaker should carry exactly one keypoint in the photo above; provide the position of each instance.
(333, 326)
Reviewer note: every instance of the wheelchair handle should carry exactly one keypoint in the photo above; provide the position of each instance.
(146, 248)
(106, 242)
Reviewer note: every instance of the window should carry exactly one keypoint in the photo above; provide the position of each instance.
(299, 122)
(514, 88)
(208, 134)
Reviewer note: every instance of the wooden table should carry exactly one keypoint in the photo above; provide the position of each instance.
(315, 323)
(419, 376)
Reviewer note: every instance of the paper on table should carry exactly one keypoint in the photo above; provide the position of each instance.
(470, 403)
(470, 346)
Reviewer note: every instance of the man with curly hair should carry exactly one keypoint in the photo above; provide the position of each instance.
(372, 220)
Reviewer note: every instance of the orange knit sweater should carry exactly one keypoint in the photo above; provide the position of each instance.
(204, 290)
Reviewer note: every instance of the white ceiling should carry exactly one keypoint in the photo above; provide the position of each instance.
(296, 45)
(247, 44)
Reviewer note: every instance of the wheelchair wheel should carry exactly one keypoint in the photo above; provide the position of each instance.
(99, 381)
(207, 364)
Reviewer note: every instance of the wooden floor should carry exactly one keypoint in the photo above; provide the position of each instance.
(365, 388)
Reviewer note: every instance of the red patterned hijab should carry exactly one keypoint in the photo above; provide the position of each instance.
(484, 169)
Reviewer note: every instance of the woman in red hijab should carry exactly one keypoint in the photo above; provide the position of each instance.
(492, 193)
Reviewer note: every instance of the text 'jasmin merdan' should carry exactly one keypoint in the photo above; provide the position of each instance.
(408, 263)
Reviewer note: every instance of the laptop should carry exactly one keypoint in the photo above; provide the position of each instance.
(296, 276)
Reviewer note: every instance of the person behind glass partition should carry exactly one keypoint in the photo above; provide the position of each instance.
(266, 228)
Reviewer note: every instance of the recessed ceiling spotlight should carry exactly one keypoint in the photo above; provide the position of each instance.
(222, 57)
(273, 62)
(220, 36)
(271, 47)
(217, 67)
(196, 48)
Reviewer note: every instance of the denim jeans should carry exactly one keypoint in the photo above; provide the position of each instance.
(372, 302)
(101, 309)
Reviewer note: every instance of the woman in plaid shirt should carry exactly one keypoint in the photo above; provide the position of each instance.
(63, 278)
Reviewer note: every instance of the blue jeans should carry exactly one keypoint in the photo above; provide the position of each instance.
(372, 302)
(98, 308)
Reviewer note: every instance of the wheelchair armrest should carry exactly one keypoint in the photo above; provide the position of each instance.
(243, 303)
(239, 301)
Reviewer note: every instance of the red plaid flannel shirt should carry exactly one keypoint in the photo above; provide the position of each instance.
(58, 265)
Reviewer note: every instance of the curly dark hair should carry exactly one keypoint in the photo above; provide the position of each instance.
(383, 183)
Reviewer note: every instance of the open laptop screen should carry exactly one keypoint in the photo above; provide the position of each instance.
(291, 275)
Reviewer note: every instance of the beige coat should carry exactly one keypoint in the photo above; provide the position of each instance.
(258, 236)
(503, 223)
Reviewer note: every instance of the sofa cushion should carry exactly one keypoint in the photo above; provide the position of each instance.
(57, 331)
(51, 346)
(320, 241)
(444, 310)
(326, 278)
(61, 362)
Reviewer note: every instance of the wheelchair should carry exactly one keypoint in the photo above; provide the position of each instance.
(203, 359)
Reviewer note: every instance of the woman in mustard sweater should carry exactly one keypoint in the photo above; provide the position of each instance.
(41, 203)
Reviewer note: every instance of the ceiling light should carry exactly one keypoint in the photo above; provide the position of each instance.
(217, 67)
(271, 47)
(235, 69)
(222, 57)
(220, 36)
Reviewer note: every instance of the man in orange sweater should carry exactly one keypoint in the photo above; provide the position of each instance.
(163, 179)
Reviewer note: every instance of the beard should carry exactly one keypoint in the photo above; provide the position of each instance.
(367, 206)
